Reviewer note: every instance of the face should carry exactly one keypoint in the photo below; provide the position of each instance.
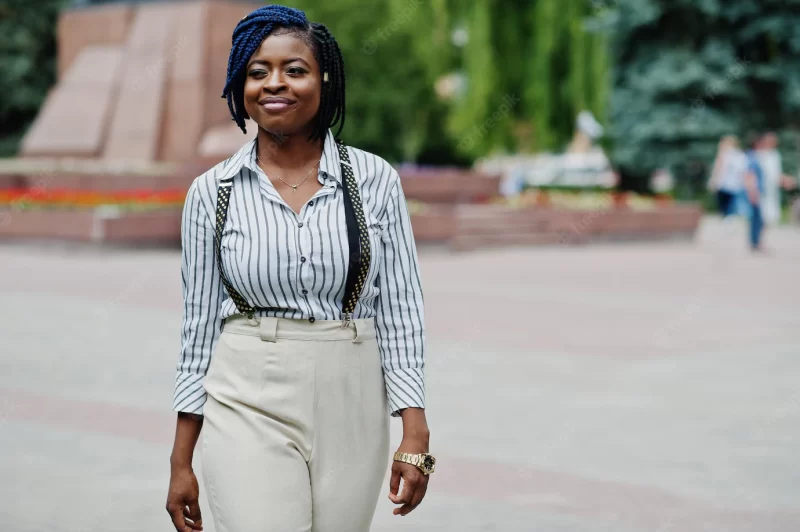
(282, 86)
(728, 142)
(769, 142)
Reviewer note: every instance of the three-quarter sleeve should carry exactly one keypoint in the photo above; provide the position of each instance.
(400, 315)
(202, 298)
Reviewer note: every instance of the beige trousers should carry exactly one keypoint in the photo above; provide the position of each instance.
(296, 429)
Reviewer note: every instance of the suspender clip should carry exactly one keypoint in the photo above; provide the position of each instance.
(347, 319)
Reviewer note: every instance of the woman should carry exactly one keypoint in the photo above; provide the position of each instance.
(303, 319)
(769, 159)
(727, 177)
(754, 192)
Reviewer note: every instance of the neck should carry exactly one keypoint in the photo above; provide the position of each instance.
(288, 152)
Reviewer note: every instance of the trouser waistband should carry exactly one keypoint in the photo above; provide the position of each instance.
(271, 329)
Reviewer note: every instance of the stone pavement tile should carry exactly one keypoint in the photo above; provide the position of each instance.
(555, 410)
(69, 481)
(455, 514)
(106, 484)
(114, 484)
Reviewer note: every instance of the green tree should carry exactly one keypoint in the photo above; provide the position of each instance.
(391, 105)
(688, 72)
(27, 64)
(538, 52)
(527, 65)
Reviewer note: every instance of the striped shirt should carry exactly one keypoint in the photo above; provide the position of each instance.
(296, 265)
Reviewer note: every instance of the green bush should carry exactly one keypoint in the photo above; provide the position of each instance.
(27, 64)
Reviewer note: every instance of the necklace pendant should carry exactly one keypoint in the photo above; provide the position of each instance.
(294, 188)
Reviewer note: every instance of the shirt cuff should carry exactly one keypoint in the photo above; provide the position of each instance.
(190, 396)
(405, 388)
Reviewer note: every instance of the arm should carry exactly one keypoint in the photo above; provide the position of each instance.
(400, 313)
(713, 182)
(400, 324)
(751, 186)
(202, 296)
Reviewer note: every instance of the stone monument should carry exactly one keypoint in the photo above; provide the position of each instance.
(140, 81)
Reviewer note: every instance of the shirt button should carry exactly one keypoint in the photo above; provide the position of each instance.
(300, 225)
(310, 203)
(312, 319)
(302, 259)
(305, 292)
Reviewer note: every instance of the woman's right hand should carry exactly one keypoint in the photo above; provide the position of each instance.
(183, 503)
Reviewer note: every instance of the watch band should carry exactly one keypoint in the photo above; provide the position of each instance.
(412, 459)
(416, 460)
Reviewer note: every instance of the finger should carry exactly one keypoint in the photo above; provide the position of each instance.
(400, 497)
(419, 493)
(408, 506)
(411, 506)
(409, 486)
(193, 524)
(178, 520)
(413, 500)
(403, 510)
(394, 482)
(195, 516)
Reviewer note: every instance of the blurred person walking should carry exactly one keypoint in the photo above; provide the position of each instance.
(303, 325)
(727, 176)
(769, 158)
(754, 192)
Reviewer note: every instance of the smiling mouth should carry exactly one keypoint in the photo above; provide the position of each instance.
(276, 104)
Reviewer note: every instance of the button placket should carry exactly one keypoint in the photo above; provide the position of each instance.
(304, 271)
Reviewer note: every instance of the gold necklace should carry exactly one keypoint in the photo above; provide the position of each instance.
(293, 187)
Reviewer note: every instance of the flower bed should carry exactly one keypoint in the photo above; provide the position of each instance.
(23, 199)
(109, 216)
(535, 217)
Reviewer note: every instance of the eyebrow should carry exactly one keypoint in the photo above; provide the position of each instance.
(285, 62)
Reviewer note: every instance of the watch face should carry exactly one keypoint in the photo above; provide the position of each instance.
(428, 462)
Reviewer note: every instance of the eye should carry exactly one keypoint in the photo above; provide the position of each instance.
(295, 70)
(257, 73)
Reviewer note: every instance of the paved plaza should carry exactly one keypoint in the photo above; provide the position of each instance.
(617, 387)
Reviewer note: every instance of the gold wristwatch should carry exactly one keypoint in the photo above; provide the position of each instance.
(424, 462)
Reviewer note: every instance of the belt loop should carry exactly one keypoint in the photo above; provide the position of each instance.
(269, 329)
(357, 339)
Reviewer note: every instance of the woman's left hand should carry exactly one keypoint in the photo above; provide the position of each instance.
(416, 438)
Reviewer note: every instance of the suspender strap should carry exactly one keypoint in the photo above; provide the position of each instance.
(357, 238)
(223, 200)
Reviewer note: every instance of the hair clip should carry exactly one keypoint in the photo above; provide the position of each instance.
(325, 77)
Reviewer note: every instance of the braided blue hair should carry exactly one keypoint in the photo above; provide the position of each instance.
(248, 35)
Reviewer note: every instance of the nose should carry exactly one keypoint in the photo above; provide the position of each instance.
(274, 81)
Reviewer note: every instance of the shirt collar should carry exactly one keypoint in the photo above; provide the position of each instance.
(246, 157)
